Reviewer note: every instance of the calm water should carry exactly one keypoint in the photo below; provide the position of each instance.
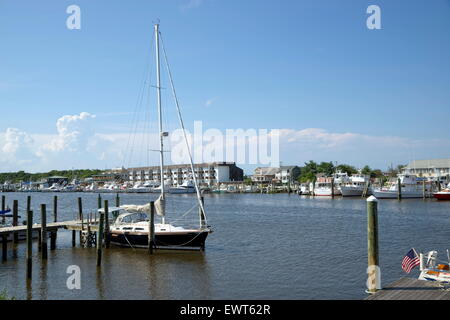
(263, 247)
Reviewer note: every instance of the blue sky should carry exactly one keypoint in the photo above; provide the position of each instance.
(338, 90)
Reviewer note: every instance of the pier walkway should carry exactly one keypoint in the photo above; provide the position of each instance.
(70, 225)
(412, 289)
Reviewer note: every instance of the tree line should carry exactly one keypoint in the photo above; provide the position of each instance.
(22, 176)
(308, 172)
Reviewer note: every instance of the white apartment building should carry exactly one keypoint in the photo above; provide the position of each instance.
(208, 174)
(429, 168)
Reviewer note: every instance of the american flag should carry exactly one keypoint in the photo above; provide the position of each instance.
(410, 261)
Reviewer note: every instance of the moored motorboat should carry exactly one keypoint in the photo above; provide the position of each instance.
(411, 187)
(356, 186)
(186, 187)
(430, 270)
(444, 194)
(323, 188)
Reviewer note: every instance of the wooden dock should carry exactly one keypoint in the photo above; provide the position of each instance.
(412, 289)
(70, 225)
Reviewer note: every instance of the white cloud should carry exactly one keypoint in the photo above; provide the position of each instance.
(16, 149)
(74, 132)
(76, 143)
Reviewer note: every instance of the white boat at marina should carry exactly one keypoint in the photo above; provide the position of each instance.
(411, 187)
(355, 186)
(323, 188)
(305, 189)
(430, 270)
(186, 187)
(109, 188)
(54, 188)
(142, 188)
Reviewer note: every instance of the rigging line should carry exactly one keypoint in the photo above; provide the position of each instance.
(185, 214)
(184, 131)
(146, 77)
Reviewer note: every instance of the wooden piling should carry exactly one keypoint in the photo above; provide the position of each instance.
(74, 238)
(80, 217)
(54, 233)
(55, 209)
(332, 188)
(107, 238)
(15, 220)
(424, 193)
(117, 200)
(399, 189)
(151, 228)
(53, 240)
(372, 244)
(28, 203)
(3, 208)
(88, 230)
(29, 244)
(44, 253)
(99, 201)
(202, 214)
(100, 239)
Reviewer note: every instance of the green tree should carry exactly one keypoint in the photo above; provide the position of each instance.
(347, 168)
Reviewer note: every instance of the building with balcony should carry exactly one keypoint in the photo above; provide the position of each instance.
(429, 168)
(207, 174)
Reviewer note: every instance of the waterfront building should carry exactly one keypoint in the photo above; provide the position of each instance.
(265, 174)
(283, 174)
(207, 174)
(435, 168)
(287, 174)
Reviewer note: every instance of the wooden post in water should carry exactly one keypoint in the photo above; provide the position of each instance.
(151, 228)
(373, 282)
(332, 188)
(44, 253)
(117, 200)
(88, 230)
(4, 247)
(80, 217)
(202, 214)
(29, 244)
(3, 207)
(99, 201)
(28, 203)
(15, 220)
(74, 238)
(424, 193)
(55, 209)
(53, 234)
(100, 239)
(106, 224)
(399, 189)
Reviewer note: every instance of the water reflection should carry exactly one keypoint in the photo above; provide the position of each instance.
(263, 247)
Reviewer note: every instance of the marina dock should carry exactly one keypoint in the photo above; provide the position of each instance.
(412, 289)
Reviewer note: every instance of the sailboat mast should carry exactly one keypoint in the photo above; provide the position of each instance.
(161, 133)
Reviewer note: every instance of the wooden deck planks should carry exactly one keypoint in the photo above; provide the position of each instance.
(412, 289)
(71, 225)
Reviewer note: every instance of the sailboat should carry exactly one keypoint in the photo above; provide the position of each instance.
(131, 227)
